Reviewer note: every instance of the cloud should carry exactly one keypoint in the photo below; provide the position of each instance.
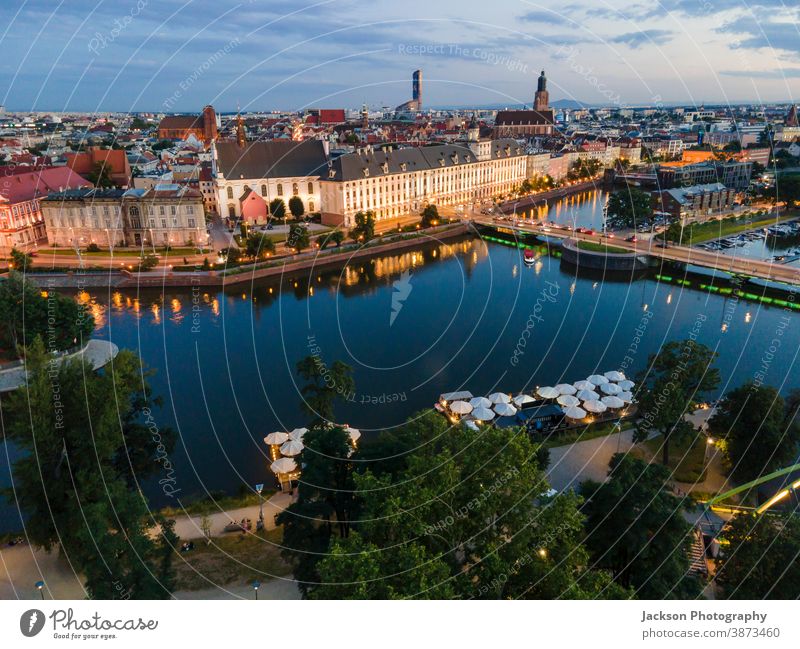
(764, 34)
(635, 40)
(785, 73)
(546, 17)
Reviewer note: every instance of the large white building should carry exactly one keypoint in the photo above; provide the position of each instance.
(396, 181)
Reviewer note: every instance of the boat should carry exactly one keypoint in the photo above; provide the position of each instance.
(529, 257)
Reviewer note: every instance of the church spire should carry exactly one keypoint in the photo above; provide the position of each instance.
(241, 136)
(541, 100)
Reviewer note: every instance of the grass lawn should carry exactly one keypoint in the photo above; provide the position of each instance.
(701, 232)
(209, 505)
(591, 246)
(231, 558)
(127, 252)
(686, 460)
(583, 433)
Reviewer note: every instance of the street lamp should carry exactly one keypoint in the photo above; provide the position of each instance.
(256, 584)
(259, 489)
(40, 587)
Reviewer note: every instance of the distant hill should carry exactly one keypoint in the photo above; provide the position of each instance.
(570, 104)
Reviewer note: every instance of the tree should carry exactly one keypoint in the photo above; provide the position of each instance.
(627, 207)
(675, 379)
(277, 208)
(760, 433)
(72, 487)
(296, 207)
(299, 238)
(364, 228)
(100, 175)
(451, 524)
(336, 237)
(635, 529)
(430, 216)
(205, 527)
(788, 189)
(148, 262)
(20, 260)
(26, 312)
(758, 559)
(259, 245)
(324, 385)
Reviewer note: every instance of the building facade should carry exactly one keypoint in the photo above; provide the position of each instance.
(180, 127)
(697, 203)
(165, 215)
(394, 182)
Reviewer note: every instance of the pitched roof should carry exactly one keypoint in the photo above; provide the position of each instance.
(35, 184)
(182, 122)
(271, 159)
(523, 118)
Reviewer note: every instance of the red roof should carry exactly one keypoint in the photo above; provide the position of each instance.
(331, 116)
(36, 184)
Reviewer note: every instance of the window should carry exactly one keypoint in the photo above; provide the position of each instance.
(152, 223)
(280, 189)
(310, 206)
(263, 190)
(310, 188)
(190, 209)
(161, 210)
(231, 211)
(191, 223)
(230, 193)
(164, 223)
(133, 211)
(173, 210)
(295, 189)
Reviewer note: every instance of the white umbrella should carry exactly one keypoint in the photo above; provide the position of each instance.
(480, 402)
(610, 388)
(499, 397)
(546, 392)
(613, 402)
(522, 399)
(505, 410)
(626, 384)
(613, 375)
(595, 405)
(283, 465)
(354, 433)
(597, 379)
(568, 400)
(292, 447)
(583, 385)
(276, 438)
(460, 407)
(575, 413)
(587, 395)
(483, 414)
(566, 388)
(627, 397)
(297, 434)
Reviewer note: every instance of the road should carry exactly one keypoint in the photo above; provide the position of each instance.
(685, 254)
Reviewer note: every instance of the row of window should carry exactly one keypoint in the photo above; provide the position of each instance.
(264, 192)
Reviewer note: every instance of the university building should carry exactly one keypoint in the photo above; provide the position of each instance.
(164, 215)
(394, 181)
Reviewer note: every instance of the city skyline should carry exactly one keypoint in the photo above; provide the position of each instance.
(130, 57)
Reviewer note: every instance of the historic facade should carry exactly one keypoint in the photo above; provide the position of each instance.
(180, 127)
(394, 182)
(164, 215)
(527, 123)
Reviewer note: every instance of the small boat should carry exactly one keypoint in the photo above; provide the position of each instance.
(529, 257)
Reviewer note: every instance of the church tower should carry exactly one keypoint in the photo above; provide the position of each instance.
(541, 100)
(241, 136)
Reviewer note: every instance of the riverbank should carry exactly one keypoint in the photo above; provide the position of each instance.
(538, 198)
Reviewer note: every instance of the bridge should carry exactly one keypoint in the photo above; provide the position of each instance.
(714, 260)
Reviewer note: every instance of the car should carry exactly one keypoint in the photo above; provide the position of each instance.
(610, 235)
(662, 244)
(632, 239)
(270, 226)
(588, 231)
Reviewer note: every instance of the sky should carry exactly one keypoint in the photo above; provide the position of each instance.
(178, 55)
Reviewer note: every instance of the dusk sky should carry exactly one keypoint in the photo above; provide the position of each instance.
(179, 55)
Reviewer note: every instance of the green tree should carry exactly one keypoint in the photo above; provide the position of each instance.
(788, 189)
(259, 245)
(324, 385)
(364, 228)
(296, 207)
(277, 208)
(20, 260)
(628, 207)
(27, 312)
(299, 239)
(334, 237)
(675, 379)
(70, 484)
(430, 216)
(758, 559)
(635, 529)
(760, 434)
(100, 175)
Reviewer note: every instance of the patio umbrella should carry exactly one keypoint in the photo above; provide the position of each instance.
(480, 402)
(583, 385)
(566, 388)
(546, 392)
(614, 375)
(297, 434)
(483, 414)
(575, 413)
(283, 465)
(292, 447)
(597, 379)
(587, 395)
(595, 405)
(499, 397)
(627, 397)
(610, 388)
(568, 400)
(613, 402)
(505, 410)
(276, 438)
(354, 433)
(522, 399)
(626, 384)
(460, 407)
